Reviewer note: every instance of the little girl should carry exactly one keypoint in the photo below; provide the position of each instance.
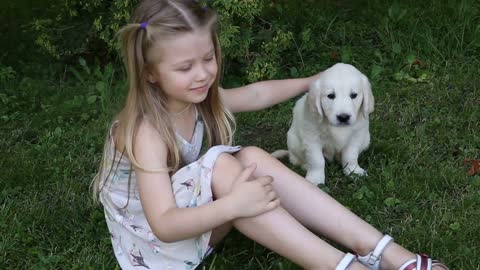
(166, 206)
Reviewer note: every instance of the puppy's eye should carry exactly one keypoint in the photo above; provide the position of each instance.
(353, 95)
(331, 96)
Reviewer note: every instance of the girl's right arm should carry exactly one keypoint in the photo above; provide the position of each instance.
(170, 223)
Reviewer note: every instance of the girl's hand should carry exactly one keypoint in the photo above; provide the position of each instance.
(252, 197)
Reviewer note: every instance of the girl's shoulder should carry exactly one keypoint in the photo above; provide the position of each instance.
(147, 131)
(145, 136)
(149, 144)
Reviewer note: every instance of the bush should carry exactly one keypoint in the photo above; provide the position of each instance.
(251, 45)
(79, 27)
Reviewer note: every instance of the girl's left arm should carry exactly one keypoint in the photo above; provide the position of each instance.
(264, 94)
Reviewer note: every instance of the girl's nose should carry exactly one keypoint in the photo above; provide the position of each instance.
(202, 73)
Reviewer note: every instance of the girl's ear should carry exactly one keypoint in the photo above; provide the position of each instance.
(151, 78)
(150, 75)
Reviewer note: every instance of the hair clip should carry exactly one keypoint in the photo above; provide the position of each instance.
(143, 25)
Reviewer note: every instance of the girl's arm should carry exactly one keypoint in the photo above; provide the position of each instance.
(261, 95)
(168, 222)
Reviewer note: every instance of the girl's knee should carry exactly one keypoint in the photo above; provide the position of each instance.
(251, 154)
(225, 171)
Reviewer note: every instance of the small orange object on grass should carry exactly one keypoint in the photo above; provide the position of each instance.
(475, 166)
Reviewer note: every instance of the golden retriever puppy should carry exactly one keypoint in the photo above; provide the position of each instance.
(331, 121)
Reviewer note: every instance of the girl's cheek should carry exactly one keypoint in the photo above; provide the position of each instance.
(213, 68)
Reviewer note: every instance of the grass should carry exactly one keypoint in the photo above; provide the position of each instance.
(423, 61)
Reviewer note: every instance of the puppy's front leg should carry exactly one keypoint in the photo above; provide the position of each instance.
(350, 161)
(315, 163)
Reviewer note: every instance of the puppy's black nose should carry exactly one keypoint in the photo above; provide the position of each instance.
(343, 118)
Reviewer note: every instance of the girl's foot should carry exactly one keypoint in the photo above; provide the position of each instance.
(349, 262)
(389, 255)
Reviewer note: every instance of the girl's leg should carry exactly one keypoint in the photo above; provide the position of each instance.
(277, 229)
(320, 212)
(219, 233)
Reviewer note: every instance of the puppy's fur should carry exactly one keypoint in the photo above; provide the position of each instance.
(331, 120)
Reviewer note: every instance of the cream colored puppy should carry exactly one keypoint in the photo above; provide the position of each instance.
(331, 121)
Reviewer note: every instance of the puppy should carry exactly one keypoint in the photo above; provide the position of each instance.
(331, 121)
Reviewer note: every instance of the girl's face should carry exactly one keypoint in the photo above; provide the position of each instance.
(186, 69)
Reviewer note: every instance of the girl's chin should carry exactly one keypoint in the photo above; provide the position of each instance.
(199, 98)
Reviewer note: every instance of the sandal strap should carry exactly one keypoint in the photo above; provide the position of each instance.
(345, 262)
(421, 262)
(372, 259)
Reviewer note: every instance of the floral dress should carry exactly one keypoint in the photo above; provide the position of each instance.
(134, 244)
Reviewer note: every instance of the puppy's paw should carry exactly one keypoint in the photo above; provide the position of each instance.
(356, 170)
(316, 176)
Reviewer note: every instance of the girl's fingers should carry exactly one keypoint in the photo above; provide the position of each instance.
(265, 180)
(247, 172)
(267, 188)
(271, 196)
(273, 204)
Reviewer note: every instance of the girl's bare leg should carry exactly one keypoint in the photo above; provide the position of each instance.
(277, 229)
(320, 212)
(219, 233)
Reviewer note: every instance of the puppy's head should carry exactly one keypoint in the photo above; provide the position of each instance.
(341, 94)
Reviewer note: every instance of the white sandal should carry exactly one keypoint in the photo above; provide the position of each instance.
(345, 263)
(372, 259)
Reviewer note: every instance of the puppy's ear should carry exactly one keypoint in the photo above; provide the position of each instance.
(313, 98)
(368, 100)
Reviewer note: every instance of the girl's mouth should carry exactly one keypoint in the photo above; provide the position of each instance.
(200, 89)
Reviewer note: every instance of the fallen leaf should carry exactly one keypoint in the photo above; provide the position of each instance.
(475, 166)
(417, 62)
(334, 56)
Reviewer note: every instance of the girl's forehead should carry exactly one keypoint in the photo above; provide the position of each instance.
(184, 46)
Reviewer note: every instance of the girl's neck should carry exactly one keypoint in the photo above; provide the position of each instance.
(182, 111)
(177, 108)
(184, 123)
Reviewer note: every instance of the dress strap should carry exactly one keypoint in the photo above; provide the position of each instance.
(110, 135)
(197, 116)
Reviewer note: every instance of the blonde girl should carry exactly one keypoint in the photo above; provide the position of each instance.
(166, 205)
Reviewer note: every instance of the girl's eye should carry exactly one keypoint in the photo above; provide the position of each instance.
(353, 95)
(331, 96)
(186, 68)
(208, 59)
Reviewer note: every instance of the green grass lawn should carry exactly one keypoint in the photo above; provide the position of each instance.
(423, 62)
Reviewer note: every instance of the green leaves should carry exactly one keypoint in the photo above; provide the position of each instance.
(346, 54)
(267, 63)
(455, 226)
(6, 74)
(396, 48)
(396, 13)
(293, 72)
(91, 99)
(102, 78)
(362, 193)
(376, 72)
(391, 201)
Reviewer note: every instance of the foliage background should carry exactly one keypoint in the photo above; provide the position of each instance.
(61, 82)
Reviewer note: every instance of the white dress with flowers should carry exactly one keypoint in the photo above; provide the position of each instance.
(134, 244)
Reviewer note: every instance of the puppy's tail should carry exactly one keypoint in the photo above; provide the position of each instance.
(280, 154)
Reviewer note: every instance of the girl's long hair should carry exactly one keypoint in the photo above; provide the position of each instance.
(145, 101)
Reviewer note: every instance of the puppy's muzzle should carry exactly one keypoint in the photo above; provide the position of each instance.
(343, 118)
